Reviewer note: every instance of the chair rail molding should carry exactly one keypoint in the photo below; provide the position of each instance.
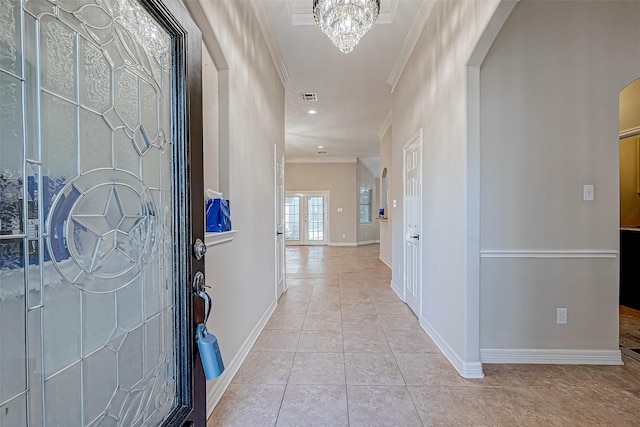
(549, 253)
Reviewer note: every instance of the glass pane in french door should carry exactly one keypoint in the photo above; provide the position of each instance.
(86, 265)
(315, 218)
(292, 218)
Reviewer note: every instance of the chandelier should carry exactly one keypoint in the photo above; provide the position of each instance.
(345, 21)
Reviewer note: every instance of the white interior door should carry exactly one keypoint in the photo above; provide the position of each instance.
(412, 223)
(306, 218)
(281, 283)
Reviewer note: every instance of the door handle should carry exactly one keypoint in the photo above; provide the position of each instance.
(199, 249)
(417, 236)
(279, 233)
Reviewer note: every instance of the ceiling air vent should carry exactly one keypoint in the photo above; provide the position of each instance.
(309, 96)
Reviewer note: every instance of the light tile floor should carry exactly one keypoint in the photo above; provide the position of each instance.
(342, 350)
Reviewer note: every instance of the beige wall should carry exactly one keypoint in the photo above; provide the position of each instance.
(431, 94)
(367, 233)
(630, 106)
(549, 124)
(629, 119)
(385, 225)
(340, 180)
(629, 197)
(251, 121)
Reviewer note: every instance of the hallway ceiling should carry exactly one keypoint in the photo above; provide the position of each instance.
(354, 93)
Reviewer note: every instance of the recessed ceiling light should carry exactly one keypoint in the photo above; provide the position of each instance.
(312, 111)
(320, 146)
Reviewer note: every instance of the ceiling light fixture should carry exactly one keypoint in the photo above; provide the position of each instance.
(312, 111)
(320, 146)
(345, 21)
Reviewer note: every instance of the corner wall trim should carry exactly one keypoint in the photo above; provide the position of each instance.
(386, 123)
(395, 288)
(465, 369)
(386, 262)
(551, 356)
(215, 394)
(571, 253)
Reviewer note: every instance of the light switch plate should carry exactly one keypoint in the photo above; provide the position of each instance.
(561, 316)
(588, 192)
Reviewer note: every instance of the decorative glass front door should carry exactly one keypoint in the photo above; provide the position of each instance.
(88, 300)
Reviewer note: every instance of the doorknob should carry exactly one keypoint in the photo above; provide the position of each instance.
(199, 249)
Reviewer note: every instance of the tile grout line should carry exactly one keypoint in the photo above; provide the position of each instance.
(549, 405)
(486, 411)
(344, 360)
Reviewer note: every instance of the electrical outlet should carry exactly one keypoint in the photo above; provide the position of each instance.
(344, 236)
(587, 192)
(561, 316)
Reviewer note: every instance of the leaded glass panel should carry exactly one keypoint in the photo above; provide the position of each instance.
(86, 233)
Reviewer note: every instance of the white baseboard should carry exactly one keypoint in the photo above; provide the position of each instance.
(551, 356)
(397, 290)
(465, 369)
(368, 242)
(343, 244)
(386, 262)
(231, 369)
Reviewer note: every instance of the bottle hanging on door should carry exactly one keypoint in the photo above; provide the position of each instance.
(208, 345)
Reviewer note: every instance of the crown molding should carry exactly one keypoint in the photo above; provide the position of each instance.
(386, 123)
(335, 159)
(415, 30)
(266, 27)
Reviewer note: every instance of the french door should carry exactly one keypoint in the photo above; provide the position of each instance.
(306, 218)
(101, 199)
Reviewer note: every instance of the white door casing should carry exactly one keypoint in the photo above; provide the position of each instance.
(412, 228)
(307, 220)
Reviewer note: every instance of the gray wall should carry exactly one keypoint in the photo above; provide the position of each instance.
(385, 225)
(549, 124)
(251, 120)
(367, 233)
(340, 180)
(431, 94)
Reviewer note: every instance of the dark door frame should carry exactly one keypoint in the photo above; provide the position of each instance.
(189, 203)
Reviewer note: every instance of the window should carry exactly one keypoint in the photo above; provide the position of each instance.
(365, 205)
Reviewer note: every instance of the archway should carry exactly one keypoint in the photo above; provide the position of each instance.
(629, 155)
